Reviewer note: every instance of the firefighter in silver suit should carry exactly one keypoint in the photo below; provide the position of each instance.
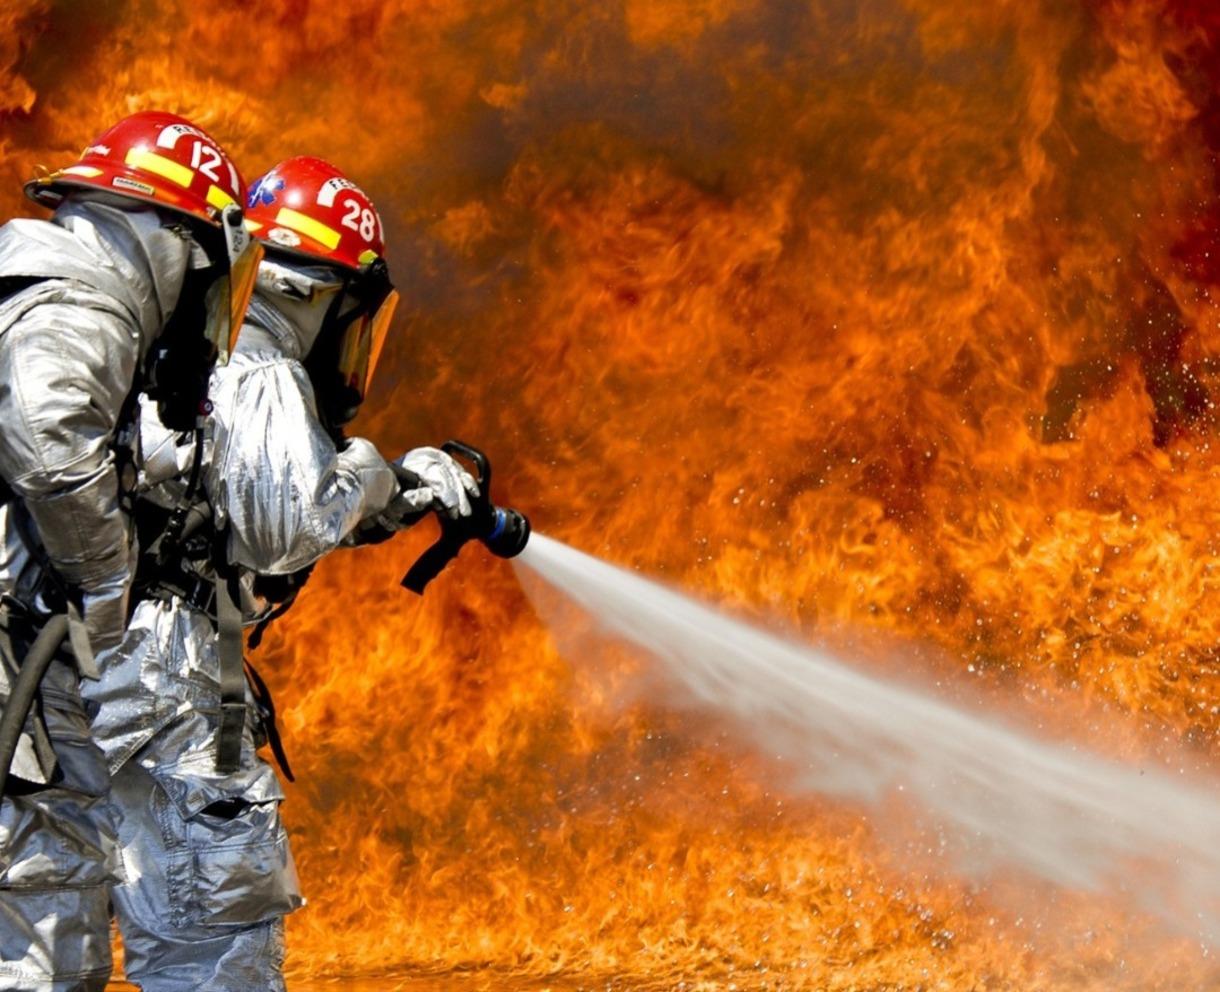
(210, 874)
(135, 282)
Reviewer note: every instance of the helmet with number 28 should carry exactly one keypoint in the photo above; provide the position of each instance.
(178, 167)
(308, 209)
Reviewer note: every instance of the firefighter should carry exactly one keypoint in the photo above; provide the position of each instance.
(279, 487)
(136, 281)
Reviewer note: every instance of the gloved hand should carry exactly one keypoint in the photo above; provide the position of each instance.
(450, 485)
(414, 499)
(428, 479)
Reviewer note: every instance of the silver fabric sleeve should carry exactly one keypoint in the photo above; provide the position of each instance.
(65, 370)
(104, 281)
(276, 478)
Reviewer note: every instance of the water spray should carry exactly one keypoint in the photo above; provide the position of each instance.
(503, 531)
(1073, 818)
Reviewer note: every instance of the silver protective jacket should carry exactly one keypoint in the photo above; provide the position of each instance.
(80, 301)
(98, 285)
(276, 479)
(287, 496)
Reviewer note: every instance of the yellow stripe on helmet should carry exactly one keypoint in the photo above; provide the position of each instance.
(308, 226)
(218, 198)
(142, 158)
(81, 170)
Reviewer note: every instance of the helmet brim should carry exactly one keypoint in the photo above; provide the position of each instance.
(51, 191)
(307, 254)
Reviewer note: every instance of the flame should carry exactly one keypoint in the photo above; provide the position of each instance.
(890, 318)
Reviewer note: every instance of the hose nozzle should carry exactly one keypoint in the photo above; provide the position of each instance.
(503, 531)
(509, 535)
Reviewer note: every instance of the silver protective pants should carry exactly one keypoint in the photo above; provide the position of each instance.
(204, 909)
(58, 851)
(210, 874)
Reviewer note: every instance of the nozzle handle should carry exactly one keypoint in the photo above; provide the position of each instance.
(486, 523)
(454, 533)
(433, 561)
(476, 458)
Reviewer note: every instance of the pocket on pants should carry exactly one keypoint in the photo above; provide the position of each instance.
(228, 857)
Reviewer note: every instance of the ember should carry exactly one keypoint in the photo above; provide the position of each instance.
(882, 320)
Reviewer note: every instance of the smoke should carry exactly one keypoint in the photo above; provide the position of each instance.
(1062, 814)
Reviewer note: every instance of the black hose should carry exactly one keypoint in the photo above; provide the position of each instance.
(33, 667)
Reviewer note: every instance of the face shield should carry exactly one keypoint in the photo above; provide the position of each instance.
(343, 355)
(202, 330)
(373, 301)
(364, 338)
(228, 297)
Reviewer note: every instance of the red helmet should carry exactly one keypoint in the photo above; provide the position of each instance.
(305, 205)
(152, 156)
(167, 161)
(308, 208)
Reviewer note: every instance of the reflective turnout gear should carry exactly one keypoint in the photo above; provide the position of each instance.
(206, 854)
(99, 284)
(279, 485)
(280, 495)
(292, 301)
(58, 848)
(87, 304)
(211, 879)
(309, 212)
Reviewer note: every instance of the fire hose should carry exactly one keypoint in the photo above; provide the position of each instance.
(503, 531)
(25, 687)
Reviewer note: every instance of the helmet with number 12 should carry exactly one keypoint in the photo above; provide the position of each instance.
(307, 208)
(174, 165)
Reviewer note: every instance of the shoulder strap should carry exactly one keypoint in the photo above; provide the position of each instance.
(232, 672)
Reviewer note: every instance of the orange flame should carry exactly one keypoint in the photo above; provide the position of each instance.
(886, 318)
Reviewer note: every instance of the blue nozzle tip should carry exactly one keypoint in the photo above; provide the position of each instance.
(501, 523)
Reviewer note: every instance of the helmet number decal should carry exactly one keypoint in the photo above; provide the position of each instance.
(360, 219)
(207, 160)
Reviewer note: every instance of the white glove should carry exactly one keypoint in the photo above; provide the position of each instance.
(450, 485)
(405, 509)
